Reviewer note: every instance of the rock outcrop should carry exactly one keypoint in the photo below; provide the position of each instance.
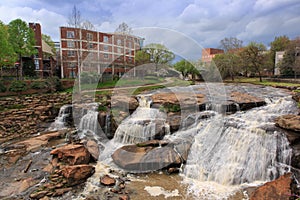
(151, 155)
(289, 122)
(274, 190)
(72, 154)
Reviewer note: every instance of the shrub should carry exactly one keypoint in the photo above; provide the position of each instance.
(17, 86)
(2, 86)
(53, 84)
(37, 85)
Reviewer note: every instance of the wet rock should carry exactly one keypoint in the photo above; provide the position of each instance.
(77, 174)
(245, 101)
(61, 191)
(107, 180)
(146, 158)
(39, 195)
(124, 102)
(289, 122)
(93, 149)
(72, 154)
(124, 197)
(274, 190)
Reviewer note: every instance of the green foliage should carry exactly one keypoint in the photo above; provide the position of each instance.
(53, 84)
(142, 57)
(29, 68)
(7, 56)
(38, 85)
(159, 54)
(2, 86)
(21, 39)
(279, 44)
(170, 108)
(89, 78)
(254, 57)
(102, 108)
(229, 64)
(17, 86)
(291, 62)
(186, 68)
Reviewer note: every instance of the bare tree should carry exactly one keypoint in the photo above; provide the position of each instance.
(231, 44)
(87, 25)
(75, 18)
(123, 28)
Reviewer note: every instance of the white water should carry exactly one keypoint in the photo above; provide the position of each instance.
(60, 120)
(143, 124)
(238, 149)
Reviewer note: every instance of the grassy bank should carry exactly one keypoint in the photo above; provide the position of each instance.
(264, 82)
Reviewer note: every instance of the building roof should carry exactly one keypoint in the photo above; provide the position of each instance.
(46, 48)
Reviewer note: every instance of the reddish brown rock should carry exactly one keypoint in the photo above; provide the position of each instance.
(178, 98)
(77, 173)
(107, 180)
(246, 101)
(93, 148)
(124, 197)
(274, 190)
(289, 122)
(72, 154)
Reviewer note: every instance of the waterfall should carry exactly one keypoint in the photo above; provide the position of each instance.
(65, 112)
(143, 124)
(241, 148)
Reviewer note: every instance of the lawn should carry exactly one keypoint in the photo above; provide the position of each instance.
(264, 82)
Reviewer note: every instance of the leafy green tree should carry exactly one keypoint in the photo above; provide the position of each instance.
(142, 57)
(254, 57)
(7, 56)
(280, 43)
(228, 64)
(21, 38)
(159, 54)
(290, 62)
(186, 68)
(17, 86)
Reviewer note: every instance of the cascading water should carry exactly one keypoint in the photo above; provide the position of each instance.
(240, 148)
(144, 124)
(60, 121)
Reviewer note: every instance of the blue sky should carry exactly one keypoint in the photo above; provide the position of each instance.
(206, 22)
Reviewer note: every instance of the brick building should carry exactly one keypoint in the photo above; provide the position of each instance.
(44, 60)
(93, 51)
(209, 53)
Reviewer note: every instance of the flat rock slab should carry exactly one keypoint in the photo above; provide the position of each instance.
(289, 122)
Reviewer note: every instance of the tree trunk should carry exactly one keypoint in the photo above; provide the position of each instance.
(260, 79)
(21, 68)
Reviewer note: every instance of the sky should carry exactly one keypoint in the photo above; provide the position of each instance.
(203, 21)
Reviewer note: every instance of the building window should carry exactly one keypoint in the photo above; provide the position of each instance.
(105, 38)
(70, 34)
(105, 56)
(37, 64)
(89, 36)
(129, 44)
(71, 65)
(105, 48)
(119, 42)
(71, 53)
(119, 50)
(70, 44)
(90, 45)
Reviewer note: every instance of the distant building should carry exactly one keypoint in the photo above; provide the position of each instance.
(209, 53)
(278, 59)
(102, 53)
(45, 59)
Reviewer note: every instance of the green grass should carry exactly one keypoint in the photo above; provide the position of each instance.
(265, 82)
(147, 88)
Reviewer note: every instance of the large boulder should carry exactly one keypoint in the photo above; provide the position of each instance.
(274, 190)
(72, 154)
(246, 101)
(77, 174)
(151, 156)
(289, 122)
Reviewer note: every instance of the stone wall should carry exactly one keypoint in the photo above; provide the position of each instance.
(26, 115)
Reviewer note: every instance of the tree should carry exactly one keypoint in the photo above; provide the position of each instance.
(228, 64)
(123, 28)
(279, 44)
(254, 57)
(159, 54)
(87, 25)
(75, 18)
(22, 40)
(7, 56)
(141, 57)
(186, 68)
(290, 62)
(231, 44)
